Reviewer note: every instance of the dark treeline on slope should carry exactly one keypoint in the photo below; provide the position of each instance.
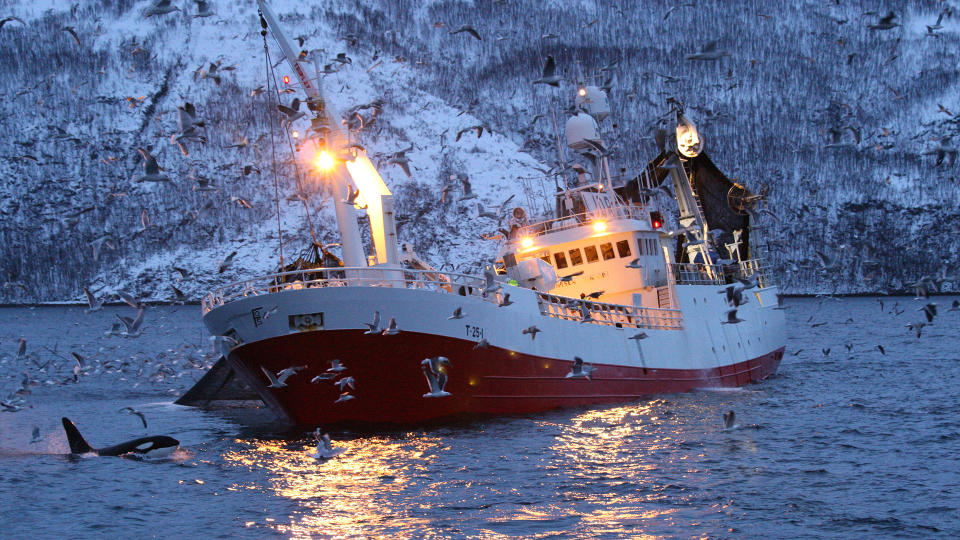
(839, 123)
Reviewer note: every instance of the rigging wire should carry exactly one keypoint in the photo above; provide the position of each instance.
(296, 167)
(273, 146)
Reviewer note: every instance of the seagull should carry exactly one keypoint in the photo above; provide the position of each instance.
(729, 419)
(929, 310)
(709, 51)
(638, 336)
(344, 396)
(826, 352)
(73, 32)
(955, 306)
(325, 449)
(569, 277)
(482, 344)
(549, 74)
(160, 7)
(732, 317)
(505, 301)
(151, 169)
(373, 327)
(595, 294)
(336, 366)
(275, 382)
(22, 348)
(5, 20)
(132, 326)
(532, 330)
(457, 314)
(466, 189)
(435, 370)
(35, 437)
(286, 373)
(881, 349)
(917, 327)
(468, 29)
(490, 284)
(130, 300)
(344, 382)
(585, 313)
(391, 329)
(579, 369)
(291, 113)
(187, 128)
(478, 129)
(226, 262)
(323, 377)
(92, 301)
(131, 410)
(635, 264)
(885, 22)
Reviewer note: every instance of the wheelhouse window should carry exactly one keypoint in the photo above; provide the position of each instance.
(623, 248)
(545, 258)
(640, 249)
(591, 253)
(560, 259)
(575, 257)
(607, 251)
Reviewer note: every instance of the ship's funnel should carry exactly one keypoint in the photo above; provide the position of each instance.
(689, 143)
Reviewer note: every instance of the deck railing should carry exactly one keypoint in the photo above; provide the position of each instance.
(715, 274)
(620, 211)
(572, 309)
(464, 284)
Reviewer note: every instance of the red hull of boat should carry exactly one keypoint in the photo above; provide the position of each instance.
(390, 384)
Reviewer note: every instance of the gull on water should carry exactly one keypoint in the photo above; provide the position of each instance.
(325, 449)
(729, 421)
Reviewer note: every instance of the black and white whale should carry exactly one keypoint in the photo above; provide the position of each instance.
(154, 447)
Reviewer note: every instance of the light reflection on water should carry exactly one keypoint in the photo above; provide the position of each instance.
(854, 444)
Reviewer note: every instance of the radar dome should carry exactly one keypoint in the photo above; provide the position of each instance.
(579, 130)
(594, 100)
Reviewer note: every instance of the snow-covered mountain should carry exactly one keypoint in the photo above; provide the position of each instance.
(847, 127)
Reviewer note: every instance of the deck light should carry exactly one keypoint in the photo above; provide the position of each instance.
(526, 242)
(599, 226)
(296, 134)
(582, 92)
(324, 161)
(286, 79)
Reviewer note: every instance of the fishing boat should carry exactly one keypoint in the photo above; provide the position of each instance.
(601, 294)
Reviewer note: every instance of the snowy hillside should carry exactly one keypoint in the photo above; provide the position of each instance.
(841, 123)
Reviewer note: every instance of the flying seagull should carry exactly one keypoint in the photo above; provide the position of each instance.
(549, 74)
(468, 29)
(579, 369)
(131, 410)
(435, 371)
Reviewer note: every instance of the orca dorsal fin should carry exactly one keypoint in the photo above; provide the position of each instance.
(78, 445)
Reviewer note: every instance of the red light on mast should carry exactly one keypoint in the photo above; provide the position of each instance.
(656, 220)
(286, 79)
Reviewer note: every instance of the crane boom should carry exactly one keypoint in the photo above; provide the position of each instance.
(356, 168)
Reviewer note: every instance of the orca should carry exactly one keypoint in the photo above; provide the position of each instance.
(154, 447)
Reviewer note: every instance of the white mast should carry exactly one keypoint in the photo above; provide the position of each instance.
(353, 165)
